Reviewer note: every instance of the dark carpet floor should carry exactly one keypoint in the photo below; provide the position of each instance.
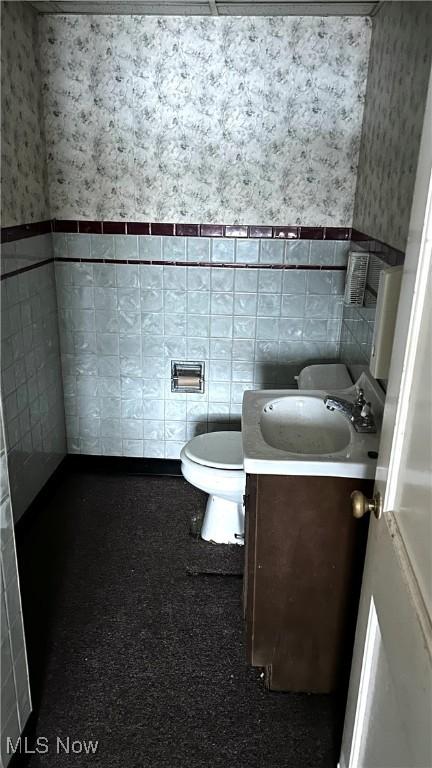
(136, 637)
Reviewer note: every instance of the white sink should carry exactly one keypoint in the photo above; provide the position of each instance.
(291, 432)
(302, 424)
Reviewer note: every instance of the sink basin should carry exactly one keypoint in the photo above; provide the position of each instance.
(291, 432)
(302, 424)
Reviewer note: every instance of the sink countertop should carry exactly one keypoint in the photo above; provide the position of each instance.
(352, 461)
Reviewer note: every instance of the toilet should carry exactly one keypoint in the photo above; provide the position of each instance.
(213, 462)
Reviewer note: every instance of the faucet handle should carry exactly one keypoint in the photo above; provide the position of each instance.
(360, 399)
(366, 411)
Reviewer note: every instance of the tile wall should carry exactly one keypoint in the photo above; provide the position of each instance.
(15, 691)
(31, 384)
(254, 311)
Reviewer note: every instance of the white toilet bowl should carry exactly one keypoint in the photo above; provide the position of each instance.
(214, 463)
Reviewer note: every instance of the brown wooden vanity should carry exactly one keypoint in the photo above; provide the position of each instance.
(304, 558)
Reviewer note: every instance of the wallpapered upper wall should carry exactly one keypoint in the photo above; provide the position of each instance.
(198, 119)
(24, 183)
(399, 68)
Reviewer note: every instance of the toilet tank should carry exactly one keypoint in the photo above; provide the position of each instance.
(328, 377)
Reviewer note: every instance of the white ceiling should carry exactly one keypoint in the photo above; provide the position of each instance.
(211, 7)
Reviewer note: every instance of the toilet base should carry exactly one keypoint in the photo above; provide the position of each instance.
(223, 519)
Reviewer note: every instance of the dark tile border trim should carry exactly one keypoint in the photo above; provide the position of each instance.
(64, 225)
(143, 262)
(135, 228)
(27, 268)
(90, 227)
(123, 464)
(181, 229)
(212, 264)
(391, 256)
(19, 232)
(113, 228)
(387, 253)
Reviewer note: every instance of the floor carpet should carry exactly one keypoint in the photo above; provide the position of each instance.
(135, 638)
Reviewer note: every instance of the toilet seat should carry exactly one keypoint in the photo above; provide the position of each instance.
(220, 450)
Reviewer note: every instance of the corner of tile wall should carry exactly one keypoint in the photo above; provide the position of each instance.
(31, 378)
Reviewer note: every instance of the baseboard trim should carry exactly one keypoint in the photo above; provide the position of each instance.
(108, 465)
(128, 465)
(39, 500)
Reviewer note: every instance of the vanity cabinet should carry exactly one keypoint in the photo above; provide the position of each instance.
(304, 554)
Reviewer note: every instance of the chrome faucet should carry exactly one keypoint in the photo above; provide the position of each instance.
(359, 412)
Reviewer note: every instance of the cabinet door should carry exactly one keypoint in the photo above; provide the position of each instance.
(304, 562)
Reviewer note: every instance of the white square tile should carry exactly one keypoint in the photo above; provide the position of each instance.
(154, 449)
(221, 327)
(198, 302)
(175, 325)
(246, 280)
(221, 303)
(242, 371)
(150, 247)
(174, 278)
(245, 304)
(219, 392)
(133, 448)
(175, 410)
(198, 326)
(270, 281)
(172, 449)
(128, 275)
(198, 249)
(293, 305)
(197, 349)
(243, 349)
(272, 251)
(175, 301)
(269, 305)
(244, 327)
(198, 278)
(222, 280)
(247, 251)
(175, 430)
(267, 328)
(220, 349)
(222, 250)
(220, 370)
(150, 277)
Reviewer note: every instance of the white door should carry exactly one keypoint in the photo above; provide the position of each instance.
(388, 720)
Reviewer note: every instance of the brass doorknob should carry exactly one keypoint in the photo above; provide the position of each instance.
(361, 505)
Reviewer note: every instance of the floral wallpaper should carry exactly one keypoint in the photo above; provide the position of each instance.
(399, 69)
(23, 173)
(202, 119)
